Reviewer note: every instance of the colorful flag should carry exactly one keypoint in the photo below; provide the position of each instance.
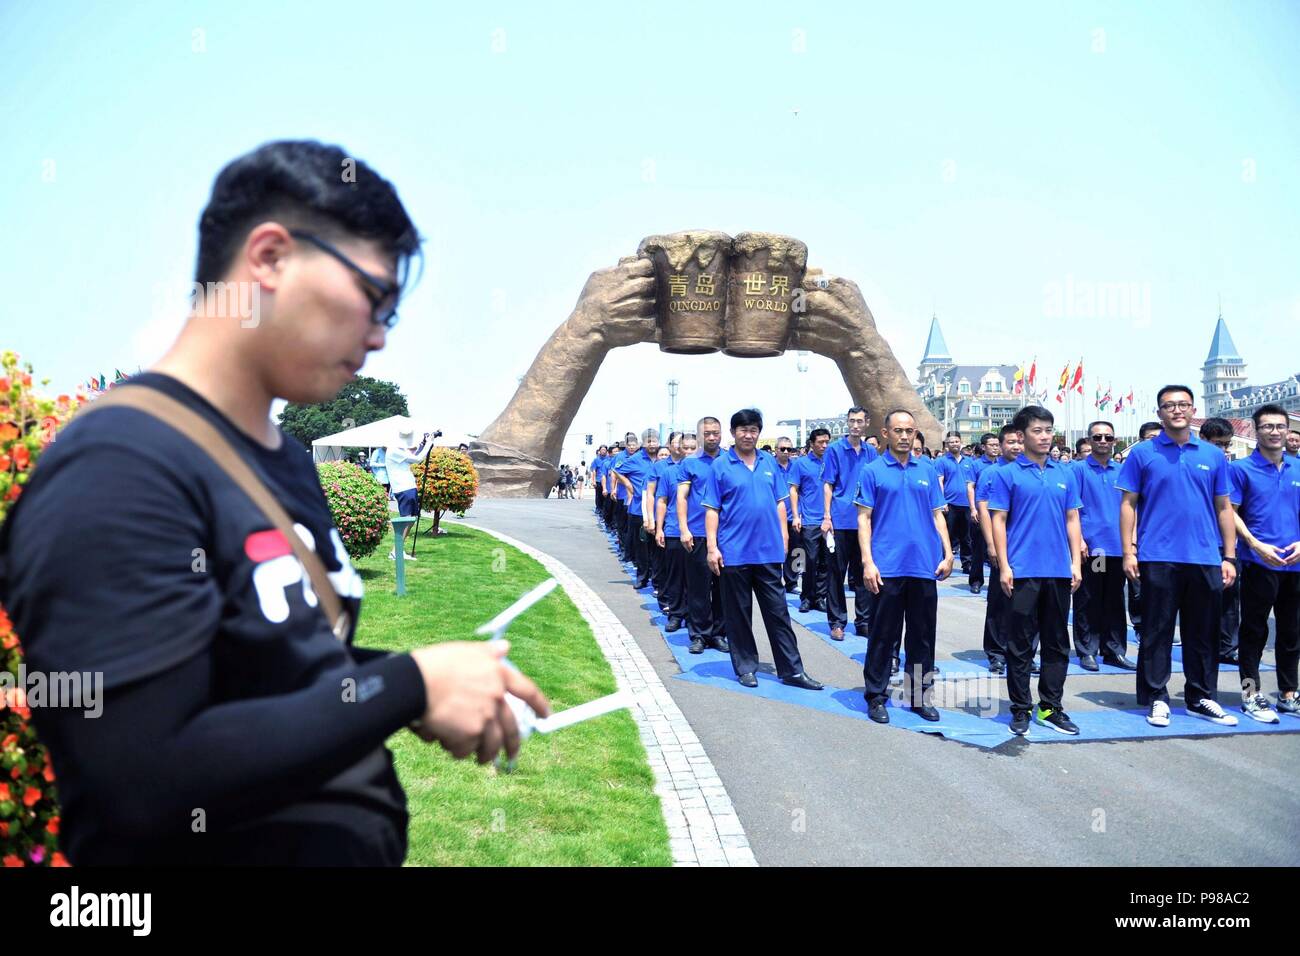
(1061, 386)
(1020, 381)
(1096, 398)
(1033, 373)
(1105, 399)
(1077, 384)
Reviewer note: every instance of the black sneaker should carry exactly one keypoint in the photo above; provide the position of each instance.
(1020, 722)
(1210, 710)
(1056, 719)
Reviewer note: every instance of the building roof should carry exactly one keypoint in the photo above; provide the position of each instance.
(1222, 349)
(1258, 391)
(936, 349)
(973, 373)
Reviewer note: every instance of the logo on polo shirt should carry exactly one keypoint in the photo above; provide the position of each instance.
(1061, 486)
(923, 483)
(1203, 467)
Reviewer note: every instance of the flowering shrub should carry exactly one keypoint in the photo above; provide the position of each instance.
(358, 503)
(29, 810)
(452, 483)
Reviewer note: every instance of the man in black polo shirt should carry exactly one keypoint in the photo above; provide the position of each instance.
(236, 728)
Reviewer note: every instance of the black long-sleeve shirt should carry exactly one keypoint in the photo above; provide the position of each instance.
(235, 727)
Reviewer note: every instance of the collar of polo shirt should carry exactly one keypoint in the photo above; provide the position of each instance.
(890, 459)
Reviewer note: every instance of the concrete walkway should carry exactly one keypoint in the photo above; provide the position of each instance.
(813, 788)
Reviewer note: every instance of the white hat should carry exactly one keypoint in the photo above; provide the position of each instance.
(406, 434)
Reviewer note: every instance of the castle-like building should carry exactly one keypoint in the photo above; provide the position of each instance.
(1227, 394)
(970, 399)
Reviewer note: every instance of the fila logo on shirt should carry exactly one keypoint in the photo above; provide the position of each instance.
(278, 568)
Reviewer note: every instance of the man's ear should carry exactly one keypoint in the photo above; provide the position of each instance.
(266, 253)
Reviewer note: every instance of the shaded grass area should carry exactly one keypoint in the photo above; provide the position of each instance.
(583, 796)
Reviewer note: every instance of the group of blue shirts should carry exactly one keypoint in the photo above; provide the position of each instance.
(1177, 488)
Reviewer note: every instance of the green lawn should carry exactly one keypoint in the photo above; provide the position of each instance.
(583, 796)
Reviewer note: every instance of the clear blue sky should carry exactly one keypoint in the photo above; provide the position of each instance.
(952, 156)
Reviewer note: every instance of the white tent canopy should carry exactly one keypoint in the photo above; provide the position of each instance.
(378, 434)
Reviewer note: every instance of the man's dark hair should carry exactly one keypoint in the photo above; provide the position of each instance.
(919, 436)
(854, 410)
(1160, 395)
(1078, 445)
(1006, 430)
(1149, 427)
(956, 435)
(1100, 422)
(896, 411)
(984, 439)
(746, 417)
(1032, 413)
(1269, 410)
(767, 448)
(1213, 429)
(817, 433)
(302, 184)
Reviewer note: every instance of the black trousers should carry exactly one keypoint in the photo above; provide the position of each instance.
(599, 504)
(673, 592)
(916, 602)
(620, 528)
(815, 564)
(1191, 595)
(958, 518)
(655, 558)
(1264, 590)
(997, 624)
(978, 554)
(788, 573)
(704, 620)
(742, 584)
(1041, 603)
(1099, 624)
(847, 559)
(640, 546)
(1135, 606)
(1230, 623)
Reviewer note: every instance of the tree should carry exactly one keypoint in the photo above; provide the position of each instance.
(361, 402)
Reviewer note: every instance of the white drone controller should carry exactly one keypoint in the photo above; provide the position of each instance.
(527, 719)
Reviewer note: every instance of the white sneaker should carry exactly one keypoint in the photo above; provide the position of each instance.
(1159, 714)
(1207, 709)
(1257, 708)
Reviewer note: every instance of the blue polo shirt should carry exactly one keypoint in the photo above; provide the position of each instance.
(619, 493)
(1177, 487)
(985, 482)
(842, 469)
(1268, 500)
(749, 529)
(636, 469)
(1037, 501)
(806, 476)
(784, 473)
(955, 474)
(1100, 514)
(903, 498)
(696, 469)
(665, 479)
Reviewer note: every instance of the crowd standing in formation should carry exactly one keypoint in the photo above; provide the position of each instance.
(715, 530)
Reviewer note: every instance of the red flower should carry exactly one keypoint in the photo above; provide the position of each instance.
(4, 792)
(31, 796)
(22, 457)
(59, 860)
(48, 773)
(8, 742)
(13, 860)
(53, 826)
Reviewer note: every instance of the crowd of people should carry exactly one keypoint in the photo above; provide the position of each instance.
(1150, 536)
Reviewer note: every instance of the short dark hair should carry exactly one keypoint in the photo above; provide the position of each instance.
(301, 184)
(1269, 410)
(896, 411)
(1215, 428)
(817, 433)
(746, 417)
(1101, 422)
(985, 438)
(1160, 395)
(1078, 445)
(921, 438)
(708, 420)
(854, 410)
(1032, 413)
(1008, 429)
(1149, 427)
(956, 435)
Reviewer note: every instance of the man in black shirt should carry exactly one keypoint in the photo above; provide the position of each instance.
(236, 728)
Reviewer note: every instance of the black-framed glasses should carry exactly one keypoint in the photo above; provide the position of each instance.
(383, 304)
(1101, 437)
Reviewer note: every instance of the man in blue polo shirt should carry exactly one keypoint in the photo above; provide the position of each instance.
(955, 471)
(745, 528)
(1293, 444)
(1266, 493)
(593, 478)
(704, 617)
(978, 555)
(807, 510)
(668, 535)
(1100, 625)
(997, 609)
(632, 473)
(905, 549)
(602, 480)
(630, 447)
(1177, 494)
(840, 472)
(789, 576)
(662, 479)
(1035, 508)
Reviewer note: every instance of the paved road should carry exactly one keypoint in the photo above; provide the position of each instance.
(813, 788)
